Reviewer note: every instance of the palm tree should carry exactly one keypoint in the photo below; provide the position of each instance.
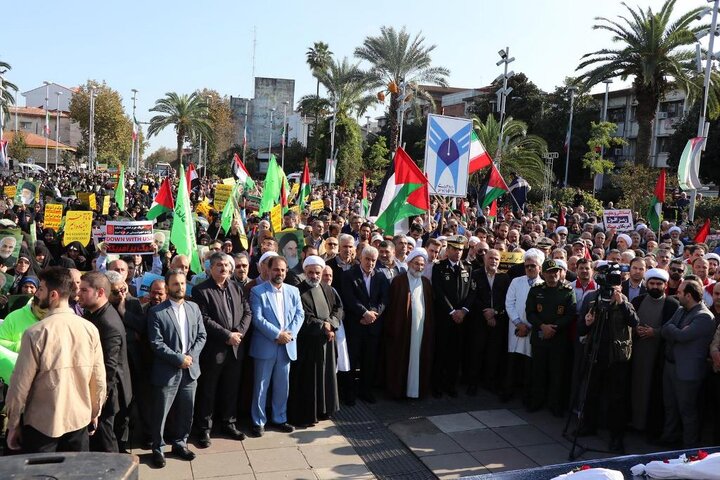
(318, 57)
(395, 58)
(187, 113)
(521, 154)
(5, 96)
(651, 52)
(348, 86)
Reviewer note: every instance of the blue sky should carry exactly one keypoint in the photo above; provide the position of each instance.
(159, 46)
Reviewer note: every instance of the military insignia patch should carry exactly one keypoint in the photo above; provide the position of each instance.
(539, 308)
(561, 310)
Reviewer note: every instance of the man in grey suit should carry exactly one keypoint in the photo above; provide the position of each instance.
(687, 335)
(177, 335)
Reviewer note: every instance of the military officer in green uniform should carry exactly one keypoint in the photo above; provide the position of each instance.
(550, 309)
(454, 294)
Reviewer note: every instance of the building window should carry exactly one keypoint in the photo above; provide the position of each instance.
(673, 109)
(616, 115)
(663, 144)
(25, 125)
(633, 111)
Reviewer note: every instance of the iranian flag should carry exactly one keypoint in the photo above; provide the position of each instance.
(47, 121)
(304, 186)
(494, 187)
(479, 158)
(365, 203)
(242, 174)
(403, 193)
(654, 215)
(163, 202)
(135, 129)
(191, 178)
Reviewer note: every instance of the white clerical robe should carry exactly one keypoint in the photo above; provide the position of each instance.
(417, 308)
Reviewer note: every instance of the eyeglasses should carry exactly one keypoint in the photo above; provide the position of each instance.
(531, 266)
(677, 270)
(119, 291)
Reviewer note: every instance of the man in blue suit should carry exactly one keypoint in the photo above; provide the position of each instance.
(277, 316)
(177, 335)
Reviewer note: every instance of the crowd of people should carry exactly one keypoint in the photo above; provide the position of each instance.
(547, 306)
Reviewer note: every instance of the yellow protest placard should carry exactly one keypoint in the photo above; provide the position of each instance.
(106, 205)
(145, 188)
(53, 216)
(10, 191)
(508, 259)
(276, 218)
(222, 193)
(229, 181)
(316, 205)
(296, 209)
(295, 189)
(78, 227)
(88, 199)
(203, 208)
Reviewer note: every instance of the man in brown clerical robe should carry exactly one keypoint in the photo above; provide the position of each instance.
(313, 384)
(409, 331)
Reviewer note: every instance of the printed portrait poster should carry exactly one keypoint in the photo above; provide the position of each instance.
(6, 281)
(27, 193)
(10, 243)
(162, 238)
(290, 244)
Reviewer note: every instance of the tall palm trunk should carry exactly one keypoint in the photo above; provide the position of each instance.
(393, 120)
(178, 153)
(315, 128)
(645, 114)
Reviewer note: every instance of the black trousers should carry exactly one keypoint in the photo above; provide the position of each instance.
(450, 340)
(219, 380)
(518, 376)
(363, 348)
(34, 441)
(105, 439)
(608, 383)
(548, 372)
(485, 359)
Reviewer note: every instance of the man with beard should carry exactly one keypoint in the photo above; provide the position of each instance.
(295, 275)
(677, 272)
(387, 264)
(59, 384)
(226, 314)
(156, 296)
(612, 365)
(177, 335)
(432, 247)
(242, 267)
(313, 383)
(94, 290)
(7, 247)
(654, 310)
(489, 327)
(344, 260)
(634, 285)
(409, 331)
(277, 316)
(687, 337)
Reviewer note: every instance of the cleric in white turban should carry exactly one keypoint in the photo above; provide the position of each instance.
(623, 238)
(657, 273)
(313, 260)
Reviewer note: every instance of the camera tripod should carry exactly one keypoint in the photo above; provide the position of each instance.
(601, 310)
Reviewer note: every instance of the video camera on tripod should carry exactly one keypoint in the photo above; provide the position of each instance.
(607, 276)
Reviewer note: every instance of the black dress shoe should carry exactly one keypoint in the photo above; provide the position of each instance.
(231, 431)
(204, 440)
(472, 390)
(452, 393)
(158, 459)
(437, 393)
(283, 427)
(257, 431)
(184, 453)
(368, 398)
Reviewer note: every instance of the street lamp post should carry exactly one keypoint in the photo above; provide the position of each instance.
(599, 176)
(569, 134)
(272, 112)
(133, 160)
(703, 124)
(47, 121)
(91, 130)
(502, 94)
(57, 130)
(284, 133)
(244, 144)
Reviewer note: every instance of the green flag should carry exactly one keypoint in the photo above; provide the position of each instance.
(120, 189)
(272, 186)
(182, 234)
(229, 211)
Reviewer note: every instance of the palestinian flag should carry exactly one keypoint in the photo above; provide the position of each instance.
(479, 158)
(191, 178)
(284, 197)
(654, 215)
(690, 164)
(242, 174)
(163, 202)
(304, 186)
(403, 193)
(365, 203)
(703, 232)
(494, 187)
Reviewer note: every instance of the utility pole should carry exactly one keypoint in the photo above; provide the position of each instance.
(135, 137)
(272, 112)
(502, 94)
(569, 134)
(91, 130)
(57, 131)
(47, 121)
(244, 144)
(284, 133)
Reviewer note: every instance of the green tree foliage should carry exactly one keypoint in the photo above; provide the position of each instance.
(573, 197)
(161, 155)
(295, 154)
(113, 128)
(187, 114)
(222, 138)
(651, 50)
(708, 208)
(395, 57)
(525, 102)
(318, 58)
(18, 148)
(637, 186)
(601, 135)
(519, 154)
(376, 160)
(5, 92)
(348, 142)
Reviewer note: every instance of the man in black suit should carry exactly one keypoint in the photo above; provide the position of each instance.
(226, 313)
(364, 295)
(454, 295)
(489, 325)
(634, 286)
(344, 260)
(94, 290)
(177, 335)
